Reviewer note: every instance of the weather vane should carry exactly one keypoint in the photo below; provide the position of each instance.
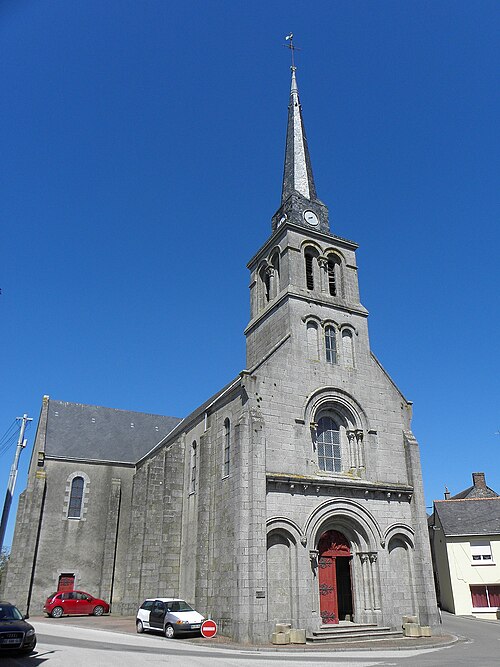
(290, 45)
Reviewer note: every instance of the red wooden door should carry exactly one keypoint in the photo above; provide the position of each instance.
(332, 545)
(66, 582)
(328, 590)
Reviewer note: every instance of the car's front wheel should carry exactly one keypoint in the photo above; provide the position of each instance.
(169, 631)
(57, 612)
(139, 626)
(99, 610)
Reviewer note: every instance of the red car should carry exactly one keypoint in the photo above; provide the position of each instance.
(74, 602)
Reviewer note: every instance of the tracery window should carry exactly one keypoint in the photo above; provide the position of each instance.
(76, 498)
(328, 445)
(227, 446)
(330, 344)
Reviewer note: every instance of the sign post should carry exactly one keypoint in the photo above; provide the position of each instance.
(209, 628)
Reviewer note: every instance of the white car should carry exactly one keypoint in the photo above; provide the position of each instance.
(171, 616)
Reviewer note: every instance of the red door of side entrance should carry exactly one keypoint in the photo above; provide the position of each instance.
(332, 545)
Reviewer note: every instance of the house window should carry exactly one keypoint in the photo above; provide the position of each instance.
(76, 498)
(485, 597)
(481, 553)
(227, 446)
(330, 345)
(192, 483)
(328, 444)
(312, 340)
(309, 270)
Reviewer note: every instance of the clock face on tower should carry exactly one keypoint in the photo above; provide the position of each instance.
(311, 218)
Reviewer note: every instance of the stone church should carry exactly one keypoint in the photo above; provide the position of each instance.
(292, 495)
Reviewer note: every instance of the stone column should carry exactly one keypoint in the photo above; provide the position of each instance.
(366, 581)
(323, 270)
(359, 448)
(352, 449)
(375, 581)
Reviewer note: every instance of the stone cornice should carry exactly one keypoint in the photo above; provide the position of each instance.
(300, 483)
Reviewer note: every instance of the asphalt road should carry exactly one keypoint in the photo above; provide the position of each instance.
(64, 645)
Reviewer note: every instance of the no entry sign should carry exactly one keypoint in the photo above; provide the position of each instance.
(209, 628)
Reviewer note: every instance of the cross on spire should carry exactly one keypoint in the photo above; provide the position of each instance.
(290, 45)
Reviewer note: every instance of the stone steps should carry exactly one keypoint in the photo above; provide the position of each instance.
(362, 632)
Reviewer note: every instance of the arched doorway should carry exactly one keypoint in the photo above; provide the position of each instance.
(334, 566)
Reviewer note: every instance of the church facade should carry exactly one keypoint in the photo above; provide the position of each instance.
(293, 495)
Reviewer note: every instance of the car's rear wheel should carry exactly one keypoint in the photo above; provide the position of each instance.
(139, 626)
(99, 610)
(57, 612)
(169, 631)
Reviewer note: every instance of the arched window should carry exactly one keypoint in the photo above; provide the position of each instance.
(312, 340)
(332, 281)
(309, 264)
(265, 280)
(328, 443)
(192, 482)
(334, 272)
(227, 446)
(275, 263)
(76, 498)
(330, 344)
(347, 348)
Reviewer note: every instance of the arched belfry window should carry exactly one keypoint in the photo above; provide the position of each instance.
(76, 498)
(265, 281)
(328, 444)
(275, 265)
(192, 481)
(334, 272)
(330, 344)
(227, 447)
(310, 255)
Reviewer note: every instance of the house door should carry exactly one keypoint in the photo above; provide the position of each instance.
(334, 577)
(66, 582)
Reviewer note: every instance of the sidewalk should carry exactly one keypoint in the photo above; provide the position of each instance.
(126, 625)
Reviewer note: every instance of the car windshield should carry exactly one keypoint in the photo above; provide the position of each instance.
(9, 613)
(179, 605)
(52, 595)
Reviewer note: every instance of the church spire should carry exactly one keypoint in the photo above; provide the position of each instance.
(299, 202)
(297, 175)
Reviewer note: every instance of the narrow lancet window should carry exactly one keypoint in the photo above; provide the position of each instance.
(192, 483)
(330, 345)
(347, 348)
(76, 498)
(312, 341)
(227, 446)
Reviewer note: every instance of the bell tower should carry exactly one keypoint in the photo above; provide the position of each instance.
(303, 269)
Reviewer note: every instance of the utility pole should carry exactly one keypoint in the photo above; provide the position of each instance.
(21, 444)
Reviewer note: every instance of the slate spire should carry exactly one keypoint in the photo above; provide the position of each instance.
(299, 202)
(297, 175)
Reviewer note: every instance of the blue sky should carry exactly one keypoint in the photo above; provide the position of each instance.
(142, 155)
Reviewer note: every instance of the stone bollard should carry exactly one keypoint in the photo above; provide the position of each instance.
(411, 630)
(425, 631)
(297, 636)
(282, 634)
(410, 619)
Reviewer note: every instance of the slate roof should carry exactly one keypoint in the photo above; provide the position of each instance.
(475, 516)
(104, 434)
